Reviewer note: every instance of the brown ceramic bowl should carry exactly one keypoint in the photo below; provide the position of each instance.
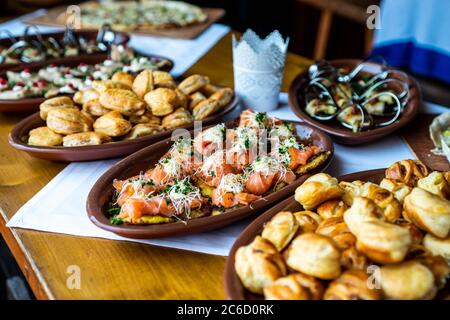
(18, 138)
(32, 104)
(102, 192)
(339, 133)
(121, 38)
(233, 286)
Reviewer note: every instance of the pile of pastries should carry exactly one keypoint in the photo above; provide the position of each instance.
(127, 107)
(356, 240)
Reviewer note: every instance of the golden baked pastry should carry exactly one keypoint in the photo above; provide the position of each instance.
(295, 286)
(180, 117)
(353, 259)
(336, 229)
(436, 263)
(183, 99)
(54, 103)
(409, 280)
(193, 83)
(317, 189)
(124, 78)
(195, 99)
(95, 108)
(351, 285)
(416, 233)
(351, 190)
(143, 83)
(259, 264)
(407, 171)
(385, 199)
(315, 255)
(399, 189)
(44, 137)
(124, 101)
(332, 208)
(83, 96)
(435, 183)
(147, 117)
(205, 108)
(163, 79)
(223, 96)
(438, 246)
(143, 129)
(85, 139)
(307, 220)
(281, 229)
(381, 241)
(112, 124)
(102, 85)
(209, 90)
(161, 101)
(68, 121)
(428, 211)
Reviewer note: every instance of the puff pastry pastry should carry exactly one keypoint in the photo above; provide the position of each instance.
(381, 241)
(95, 108)
(438, 246)
(124, 101)
(223, 96)
(281, 229)
(44, 137)
(81, 97)
(353, 259)
(183, 99)
(180, 117)
(351, 285)
(112, 124)
(68, 121)
(54, 103)
(428, 211)
(351, 190)
(102, 85)
(147, 117)
(193, 83)
(317, 189)
(435, 183)
(296, 286)
(336, 229)
(143, 83)
(416, 233)
(209, 90)
(161, 101)
(195, 99)
(332, 208)
(259, 264)
(407, 281)
(407, 171)
(85, 139)
(399, 189)
(315, 255)
(124, 78)
(143, 129)
(205, 108)
(163, 79)
(307, 220)
(385, 199)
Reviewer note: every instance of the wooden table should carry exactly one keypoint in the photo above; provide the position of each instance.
(109, 269)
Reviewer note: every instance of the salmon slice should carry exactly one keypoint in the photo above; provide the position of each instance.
(158, 176)
(229, 199)
(288, 177)
(135, 208)
(246, 198)
(258, 183)
(300, 157)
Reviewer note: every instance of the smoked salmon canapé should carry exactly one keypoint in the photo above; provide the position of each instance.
(222, 168)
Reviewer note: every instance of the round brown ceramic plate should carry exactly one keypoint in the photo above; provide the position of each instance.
(233, 286)
(32, 104)
(18, 138)
(102, 192)
(336, 130)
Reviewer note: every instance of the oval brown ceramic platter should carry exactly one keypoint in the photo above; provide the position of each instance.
(32, 104)
(19, 135)
(233, 287)
(336, 130)
(102, 192)
(121, 38)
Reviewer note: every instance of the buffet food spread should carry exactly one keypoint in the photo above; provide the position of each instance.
(217, 171)
(356, 239)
